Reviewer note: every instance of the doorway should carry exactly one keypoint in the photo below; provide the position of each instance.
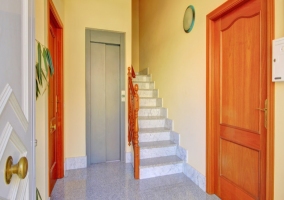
(105, 118)
(240, 100)
(55, 99)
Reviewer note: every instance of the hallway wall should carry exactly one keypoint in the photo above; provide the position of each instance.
(112, 15)
(177, 61)
(135, 35)
(279, 112)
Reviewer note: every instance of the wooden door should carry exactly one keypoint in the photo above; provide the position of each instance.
(17, 96)
(55, 100)
(239, 103)
(52, 113)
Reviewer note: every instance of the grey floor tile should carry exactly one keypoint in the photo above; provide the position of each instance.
(108, 181)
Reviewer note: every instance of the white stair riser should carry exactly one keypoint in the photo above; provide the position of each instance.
(154, 171)
(152, 112)
(152, 137)
(142, 78)
(148, 93)
(157, 152)
(151, 123)
(145, 85)
(150, 102)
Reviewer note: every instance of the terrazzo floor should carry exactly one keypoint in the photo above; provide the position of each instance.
(115, 180)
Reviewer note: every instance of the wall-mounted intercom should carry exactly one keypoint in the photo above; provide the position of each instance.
(278, 60)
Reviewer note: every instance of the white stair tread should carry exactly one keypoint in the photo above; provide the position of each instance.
(156, 144)
(150, 117)
(150, 107)
(148, 89)
(153, 130)
(165, 160)
(134, 81)
(149, 98)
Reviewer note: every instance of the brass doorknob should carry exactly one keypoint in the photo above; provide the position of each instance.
(21, 169)
(52, 127)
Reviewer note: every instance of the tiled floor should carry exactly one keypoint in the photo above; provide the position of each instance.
(115, 181)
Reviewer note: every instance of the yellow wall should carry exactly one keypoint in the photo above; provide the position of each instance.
(113, 15)
(279, 112)
(177, 61)
(42, 101)
(135, 35)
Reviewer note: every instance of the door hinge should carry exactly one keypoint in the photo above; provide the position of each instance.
(35, 142)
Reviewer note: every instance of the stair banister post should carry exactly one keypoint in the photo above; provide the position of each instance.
(135, 134)
(129, 107)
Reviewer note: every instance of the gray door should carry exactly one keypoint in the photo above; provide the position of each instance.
(105, 102)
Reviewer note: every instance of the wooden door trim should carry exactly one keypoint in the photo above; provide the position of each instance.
(53, 14)
(211, 153)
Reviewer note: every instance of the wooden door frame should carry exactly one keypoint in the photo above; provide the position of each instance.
(211, 154)
(53, 14)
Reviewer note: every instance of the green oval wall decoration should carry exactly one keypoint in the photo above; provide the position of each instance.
(188, 19)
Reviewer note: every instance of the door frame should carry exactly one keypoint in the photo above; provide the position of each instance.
(211, 154)
(88, 39)
(52, 14)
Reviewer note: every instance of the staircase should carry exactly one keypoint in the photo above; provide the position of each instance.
(160, 153)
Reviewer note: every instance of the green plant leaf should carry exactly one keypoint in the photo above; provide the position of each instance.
(38, 74)
(38, 194)
(37, 89)
(39, 54)
(45, 61)
(49, 59)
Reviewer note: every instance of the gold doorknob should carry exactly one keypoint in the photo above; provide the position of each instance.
(21, 169)
(52, 127)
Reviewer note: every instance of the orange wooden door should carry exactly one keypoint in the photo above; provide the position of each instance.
(55, 99)
(240, 89)
(52, 111)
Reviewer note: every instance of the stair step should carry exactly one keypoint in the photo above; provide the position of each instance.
(165, 160)
(145, 85)
(152, 111)
(157, 149)
(148, 93)
(142, 78)
(160, 166)
(153, 130)
(151, 121)
(154, 134)
(156, 144)
(150, 101)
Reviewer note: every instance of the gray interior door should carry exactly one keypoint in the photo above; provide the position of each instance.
(105, 102)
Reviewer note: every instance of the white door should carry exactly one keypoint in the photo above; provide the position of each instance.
(17, 97)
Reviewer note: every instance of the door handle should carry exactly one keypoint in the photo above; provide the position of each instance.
(21, 169)
(265, 113)
(52, 127)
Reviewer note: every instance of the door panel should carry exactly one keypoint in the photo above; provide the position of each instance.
(17, 95)
(105, 113)
(240, 74)
(240, 91)
(237, 158)
(98, 138)
(112, 103)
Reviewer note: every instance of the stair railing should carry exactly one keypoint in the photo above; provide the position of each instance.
(133, 108)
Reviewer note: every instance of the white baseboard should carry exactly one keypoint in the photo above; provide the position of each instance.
(76, 163)
(195, 176)
(128, 157)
